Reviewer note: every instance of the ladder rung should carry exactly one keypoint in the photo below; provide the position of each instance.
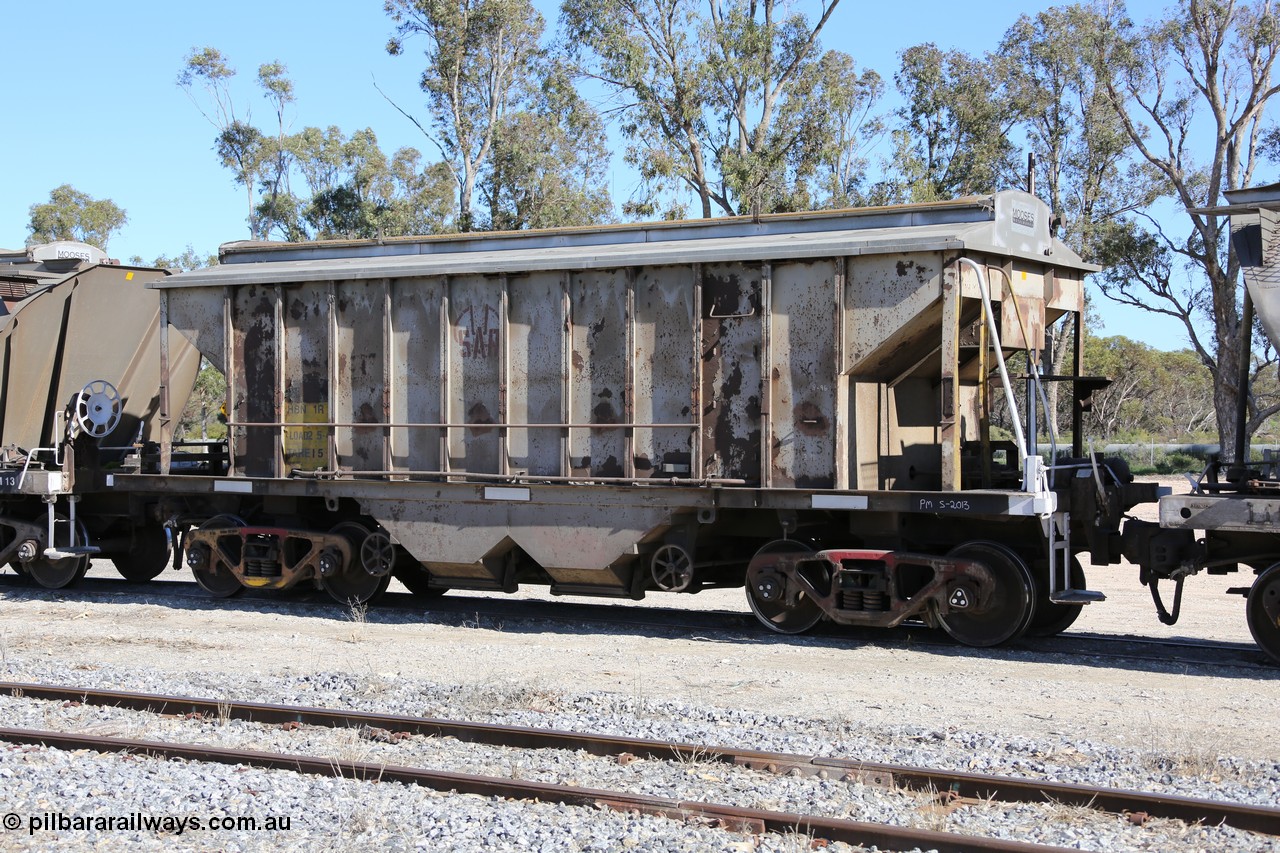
(1077, 596)
(78, 551)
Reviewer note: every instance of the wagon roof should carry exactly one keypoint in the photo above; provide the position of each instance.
(1010, 223)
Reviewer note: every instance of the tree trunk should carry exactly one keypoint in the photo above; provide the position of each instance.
(1226, 379)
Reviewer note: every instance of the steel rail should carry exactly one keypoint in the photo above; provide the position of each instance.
(735, 818)
(1252, 818)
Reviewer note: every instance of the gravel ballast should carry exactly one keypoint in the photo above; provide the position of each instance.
(42, 782)
(1203, 729)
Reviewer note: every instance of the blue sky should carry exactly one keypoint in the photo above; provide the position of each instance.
(92, 101)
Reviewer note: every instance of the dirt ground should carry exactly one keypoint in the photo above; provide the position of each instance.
(1133, 702)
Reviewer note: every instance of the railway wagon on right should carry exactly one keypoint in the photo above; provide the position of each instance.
(1231, 518)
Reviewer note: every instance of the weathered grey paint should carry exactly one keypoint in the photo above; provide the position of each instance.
(803, 352)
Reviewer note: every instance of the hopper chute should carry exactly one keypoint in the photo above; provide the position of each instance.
(97, 322)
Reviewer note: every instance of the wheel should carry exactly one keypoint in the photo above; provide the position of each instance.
(56, 574)
(1263, 611)
(417, 579)
(671, 568)
(148, 557)
(768, 596)
(1052, 619)
(351, 584)
(1010, 606)
(214, 577)
(60, 573)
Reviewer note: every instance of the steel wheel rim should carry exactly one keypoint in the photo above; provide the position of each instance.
(217, 580)
(57, 574)
(376, 551)
(352, 584)
(1263, 601)
(1051, 618)
(147, 559)
(776, 615)
(1011, 607)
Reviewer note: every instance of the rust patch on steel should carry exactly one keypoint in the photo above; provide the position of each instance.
(810, 420)
(479, 414)
(603, 412)
(254, 312)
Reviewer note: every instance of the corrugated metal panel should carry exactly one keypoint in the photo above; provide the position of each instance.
(306, 375)
(254, 379)
(362, 391)
(665, 356)
(475, 387)
(804, 370)
(535, 376)
(598, 373)
(732, 338)
(417, 349)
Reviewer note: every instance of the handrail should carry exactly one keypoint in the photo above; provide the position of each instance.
(989, 313)
(1036, 371)
(505, 425)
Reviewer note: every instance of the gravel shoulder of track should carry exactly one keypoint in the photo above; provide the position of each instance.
(1196, 729)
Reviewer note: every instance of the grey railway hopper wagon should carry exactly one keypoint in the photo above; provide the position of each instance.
(1232, 515)
(798, 403)
(80, 375)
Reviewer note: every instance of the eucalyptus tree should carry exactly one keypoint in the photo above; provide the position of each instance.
(724, 99)
(1190, 91)
(478, 55)
(349, 188)
(316, 183)
(70, 214)
(551, 161)
(853, 130)
(1080, 144)
(259, 162)
(951, 137)
(1082, 152)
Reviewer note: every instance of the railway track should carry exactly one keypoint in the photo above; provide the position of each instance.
(950, 786)
(1215, 654)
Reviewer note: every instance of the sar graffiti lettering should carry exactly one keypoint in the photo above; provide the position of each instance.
(478, 332)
